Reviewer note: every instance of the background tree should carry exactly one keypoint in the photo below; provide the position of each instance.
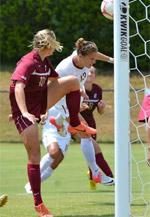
(70, 19)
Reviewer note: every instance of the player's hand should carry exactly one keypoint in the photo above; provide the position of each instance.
(83, 107)
(111, 60)
(101, 104)
(43, 118)
(77, 137)
(30, 117)
(83, 135)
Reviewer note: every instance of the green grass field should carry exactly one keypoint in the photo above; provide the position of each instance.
(67, 192)
(105, 122)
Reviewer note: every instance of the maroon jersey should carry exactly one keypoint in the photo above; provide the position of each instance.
(96, 95)
(34, 73)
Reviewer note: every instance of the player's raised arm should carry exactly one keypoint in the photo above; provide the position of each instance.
(103, 57)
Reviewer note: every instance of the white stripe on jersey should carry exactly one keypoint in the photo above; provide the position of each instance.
(90, 100)
(42, 74)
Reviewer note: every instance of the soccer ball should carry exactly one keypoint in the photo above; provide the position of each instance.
(107, 7)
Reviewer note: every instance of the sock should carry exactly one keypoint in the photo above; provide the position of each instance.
(89, 154)
(46, 173)
(35, 182)
(45, 162)
(45, 166)
(103, 165)
(73, 104)
(90, 174)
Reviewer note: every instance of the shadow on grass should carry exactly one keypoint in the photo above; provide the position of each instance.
(89, 192)
(102, 204)
(86, 215)
(142, 204)
(105, 191)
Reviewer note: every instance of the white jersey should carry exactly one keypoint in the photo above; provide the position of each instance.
(66, 67)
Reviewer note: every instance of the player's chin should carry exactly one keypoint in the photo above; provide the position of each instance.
(89, 66)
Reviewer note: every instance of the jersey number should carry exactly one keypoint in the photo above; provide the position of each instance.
(42, 81)
(83, 76)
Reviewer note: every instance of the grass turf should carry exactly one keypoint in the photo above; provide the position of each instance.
(67, 192)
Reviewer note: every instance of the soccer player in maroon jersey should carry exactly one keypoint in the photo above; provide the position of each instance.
(94, 93)
(31, 95)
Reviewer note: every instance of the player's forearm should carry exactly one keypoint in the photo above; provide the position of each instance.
(101, 106)
(51, 79)
(105, 58)
(100, 111)
(20, 97)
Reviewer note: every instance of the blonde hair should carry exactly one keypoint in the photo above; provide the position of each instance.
(85, 47)
(46, 39)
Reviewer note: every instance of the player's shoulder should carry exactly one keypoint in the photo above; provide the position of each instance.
(97, 86)
(25, 63)
(74, 53)
(67, 60)
(30, 58)
(30, 55)
(64, 65)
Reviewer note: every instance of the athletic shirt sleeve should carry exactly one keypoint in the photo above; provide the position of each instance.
(61, 70)
(53, 72)
(64, 68)
(23, 71)
(99, 91)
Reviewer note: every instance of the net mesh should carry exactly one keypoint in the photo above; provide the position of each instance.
(139, 82)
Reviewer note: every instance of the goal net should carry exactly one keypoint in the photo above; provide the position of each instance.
(139, 34)
(131, 27)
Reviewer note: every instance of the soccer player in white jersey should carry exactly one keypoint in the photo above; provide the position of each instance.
(79, 64)
(80, 61)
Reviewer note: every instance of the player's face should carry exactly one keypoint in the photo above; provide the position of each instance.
(91, 75)
(89, 60)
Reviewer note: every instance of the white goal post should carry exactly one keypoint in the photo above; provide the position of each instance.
(121, 86)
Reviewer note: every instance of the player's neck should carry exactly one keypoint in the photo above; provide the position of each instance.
(88, 86)
(77, 62)
(42, 54)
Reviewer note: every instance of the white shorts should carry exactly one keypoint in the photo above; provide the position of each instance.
(50, 133)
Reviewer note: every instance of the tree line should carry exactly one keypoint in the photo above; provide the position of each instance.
(69, 19)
